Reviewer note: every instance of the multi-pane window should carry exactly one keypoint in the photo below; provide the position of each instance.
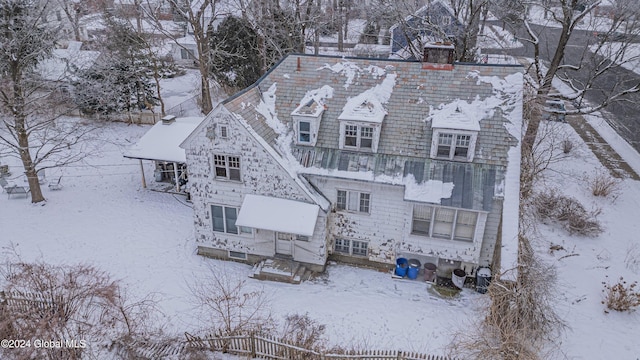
(227, 167)
(462, 146)
(446, 223)
(224, 131)
(453, 146)
(289, 237)
(444, 144)
(342, 246)
(422, 215)
(465, 225)
(351, 135)
(224, 220)
(353, 201)
(358, 136)
(443, 222)
(351, 247)
(304, 132)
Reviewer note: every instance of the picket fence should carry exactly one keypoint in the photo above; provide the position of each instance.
(250, 345)
(266, 347)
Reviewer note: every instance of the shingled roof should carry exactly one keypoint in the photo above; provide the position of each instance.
(405, 141)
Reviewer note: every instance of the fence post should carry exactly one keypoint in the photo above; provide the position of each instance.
(252, 343)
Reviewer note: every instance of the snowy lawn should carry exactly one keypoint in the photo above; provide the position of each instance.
(105, 218)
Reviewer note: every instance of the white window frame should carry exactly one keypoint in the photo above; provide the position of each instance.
(224, 131)
(226, 166)
(456, 227)
(359, 135)
(308, 132)
(354, 201)
(456, 137)
(240, 230)
(291, 237)
(347, 247)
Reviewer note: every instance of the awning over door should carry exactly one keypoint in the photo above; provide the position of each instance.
(269, 213)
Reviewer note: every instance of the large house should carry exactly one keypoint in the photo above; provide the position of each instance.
(361, 161)
(435, 21)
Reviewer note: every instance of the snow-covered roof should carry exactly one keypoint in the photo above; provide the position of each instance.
(459, 115)
(275, 214)
(62, 65)
(368, 106)
(162, 141)
(400, 93)
(312, 104)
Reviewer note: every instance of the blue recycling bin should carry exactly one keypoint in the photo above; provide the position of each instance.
(402, 265)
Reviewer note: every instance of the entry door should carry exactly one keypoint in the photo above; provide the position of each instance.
(284, 244)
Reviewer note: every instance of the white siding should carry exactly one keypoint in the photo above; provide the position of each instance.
(387, 227)
(260, 174)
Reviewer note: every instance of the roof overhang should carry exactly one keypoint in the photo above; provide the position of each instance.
(275, 214)
(162, 142)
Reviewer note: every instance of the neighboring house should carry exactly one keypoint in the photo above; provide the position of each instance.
(184, 50)
(435, 21)
(64, 64)
(361, 161)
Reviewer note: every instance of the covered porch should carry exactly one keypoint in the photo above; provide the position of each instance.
(161, 145)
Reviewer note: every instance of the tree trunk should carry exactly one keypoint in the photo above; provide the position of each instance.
(205, 92)
(545, 87)
(23, 138)
(340, 33)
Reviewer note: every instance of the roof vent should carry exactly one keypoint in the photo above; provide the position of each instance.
(168, 120)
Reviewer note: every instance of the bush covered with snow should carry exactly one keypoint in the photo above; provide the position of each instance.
(567, 211)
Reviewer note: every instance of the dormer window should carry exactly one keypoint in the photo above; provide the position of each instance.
(307, 116)
(358, 136)
(455, 130)
(304, 132)
(451, 144)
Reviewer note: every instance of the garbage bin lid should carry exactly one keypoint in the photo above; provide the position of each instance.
(484, 272)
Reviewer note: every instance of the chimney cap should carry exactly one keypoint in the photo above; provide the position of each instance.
(169, 119)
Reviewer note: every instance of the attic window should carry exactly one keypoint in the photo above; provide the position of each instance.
(454, 145)
(358, 136)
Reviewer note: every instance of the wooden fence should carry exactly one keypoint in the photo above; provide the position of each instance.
(265, 347)
(28, 302)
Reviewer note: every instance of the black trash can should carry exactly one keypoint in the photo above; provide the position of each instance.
(483, 278)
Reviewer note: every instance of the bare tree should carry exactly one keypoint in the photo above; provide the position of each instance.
(31, 127)
(74, 10)
(200, 17)
(79, 306)
(230, 307)
(596, 61)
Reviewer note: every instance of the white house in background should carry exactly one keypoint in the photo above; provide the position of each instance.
(65, 63)
(361, 161)
(184, 50)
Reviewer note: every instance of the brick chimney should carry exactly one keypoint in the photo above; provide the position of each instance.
(438, 56)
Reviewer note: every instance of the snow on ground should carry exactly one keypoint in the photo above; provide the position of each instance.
(584, 263)
(104, 217)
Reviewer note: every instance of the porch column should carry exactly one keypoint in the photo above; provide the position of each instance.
(144, 181)
(175, 174)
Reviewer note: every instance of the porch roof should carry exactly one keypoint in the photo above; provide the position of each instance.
(162, 142)
(282, 215)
